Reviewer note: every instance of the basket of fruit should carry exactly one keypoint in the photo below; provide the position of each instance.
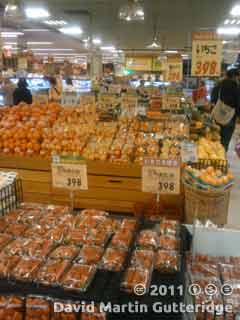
(207, 194)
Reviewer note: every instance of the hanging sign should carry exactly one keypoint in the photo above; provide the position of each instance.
(139, 63)
(207, 50)
(161, 176)
(189, 152)
(22, 63)
(69, 174)
(174, 68)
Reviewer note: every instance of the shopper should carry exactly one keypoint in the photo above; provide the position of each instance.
(228, 92)
(7, 90)
(22, 93)
(55, 92)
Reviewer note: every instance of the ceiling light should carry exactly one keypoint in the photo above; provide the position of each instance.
(171, 51)
(154, 45)
(228, 31)
(235, 11)
(108, 48)
(238, 22)
(9, 33)
(132, 11)
(233, 22)
(37, 13)
(36, 30)
(13, 10)
(97, 41)
(226, 21)
(50, 49)
(55, 22)
(71, 30)
(40, 43)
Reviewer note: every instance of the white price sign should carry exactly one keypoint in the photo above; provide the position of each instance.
(161, 176)
(70, 175)
(189, 152)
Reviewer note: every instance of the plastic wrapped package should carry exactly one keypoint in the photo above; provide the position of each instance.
(96, 315)
(16, 230)
(148, 239)
(31, 217)
(129, 224)
(26, 269)
(77, 237)
(57, 211)
(90, 255)
(37, 231)
(205, 270)
(3, 224)
(97, 237)
(11, 308)
(113, 260)
(235, 260)
(134, 277)
(63, 315)
(94, 212)
(57, 234)
(111, 225)
(16, 247)
(79, 277)
(51, 272)
(64, 252)
(143, 259)
(13, 216)
(91, 221)
(4, 240)
(28, 206)
(38, 248)
(122, 239)
(38, 308)
(235, 284)
(67, 221)
(229, 272)
(169, 242)
(168, 261)
(7, 264)
(169, 227)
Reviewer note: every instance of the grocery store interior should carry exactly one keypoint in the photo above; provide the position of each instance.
(119, 159)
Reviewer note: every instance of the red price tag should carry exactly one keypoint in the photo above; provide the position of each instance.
(206, 68)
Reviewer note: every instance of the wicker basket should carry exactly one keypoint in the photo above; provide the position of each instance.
(204, 205)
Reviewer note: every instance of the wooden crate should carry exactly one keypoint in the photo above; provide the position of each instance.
(112, 187)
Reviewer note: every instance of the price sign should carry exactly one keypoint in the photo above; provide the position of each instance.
(189, 152)
(109, 99)
(69, 174)
(161, 176)
(206, 55)
(174, 68)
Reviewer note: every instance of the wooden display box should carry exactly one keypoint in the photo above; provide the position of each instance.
(112, 187)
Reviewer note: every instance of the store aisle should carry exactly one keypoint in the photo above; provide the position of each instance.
(234, 211)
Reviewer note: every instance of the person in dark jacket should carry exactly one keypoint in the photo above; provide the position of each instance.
(22, 93)
(229, 92)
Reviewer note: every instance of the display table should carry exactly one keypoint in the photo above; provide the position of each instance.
(113, 187)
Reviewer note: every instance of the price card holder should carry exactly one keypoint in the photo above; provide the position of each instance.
(161, 177)
(70, 174)
(189, 152)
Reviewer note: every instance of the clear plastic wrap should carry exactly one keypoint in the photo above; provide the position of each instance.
(13, 216)
(11, 308)
(94, 212)
(234, 301)
(134, 277)
(168, 261)
(96, 315)
(67, 221)
(64, 252)
(77, 237)
(38, 248)
(129, 224)
(91, 221)
(97, 237)
(148, 239)
(122, 239)
(38, 308)
(57, 234)
(63, 315)
(37, 231)
(16, 247)
(16, 230)
(31, 216)
(230, 272)
(51, 272)
(4, 240)
(79, 277)
(113, 260)
(169, 242)
(7, 264)
(26, 269)
(169, 227)
(90, 255)
(3, 224)
(205, 270)
(143, 259)
(111, 225)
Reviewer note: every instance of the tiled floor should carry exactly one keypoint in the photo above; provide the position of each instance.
(234, 211)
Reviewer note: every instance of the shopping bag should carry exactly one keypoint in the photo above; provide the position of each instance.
(222, 113)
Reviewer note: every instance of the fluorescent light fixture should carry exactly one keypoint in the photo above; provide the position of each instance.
(227, 21)
(108, 48)
(85, 40)
(37, 13)
(56, 54)
(50, 49)
(55, 22)
(128, 18)
(224, 42)
(171, 51)
(9, 36)
(39, 43)
(7, 33)
(235, 11)
(233, 22)
(154, 45)
(238, 22)
(229, 31)
(10, 43)
(97, 41)
(36, 30)
(75, 30)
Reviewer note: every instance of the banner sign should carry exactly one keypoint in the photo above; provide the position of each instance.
(207, 50)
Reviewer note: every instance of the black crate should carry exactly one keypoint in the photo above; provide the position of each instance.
(11, 197)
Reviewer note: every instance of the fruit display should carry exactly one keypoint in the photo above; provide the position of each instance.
(208, 179)
(208, 149)
(49, 130)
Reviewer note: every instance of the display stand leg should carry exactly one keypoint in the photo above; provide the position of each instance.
(72, 201)
(158, 203)
(194, 236)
